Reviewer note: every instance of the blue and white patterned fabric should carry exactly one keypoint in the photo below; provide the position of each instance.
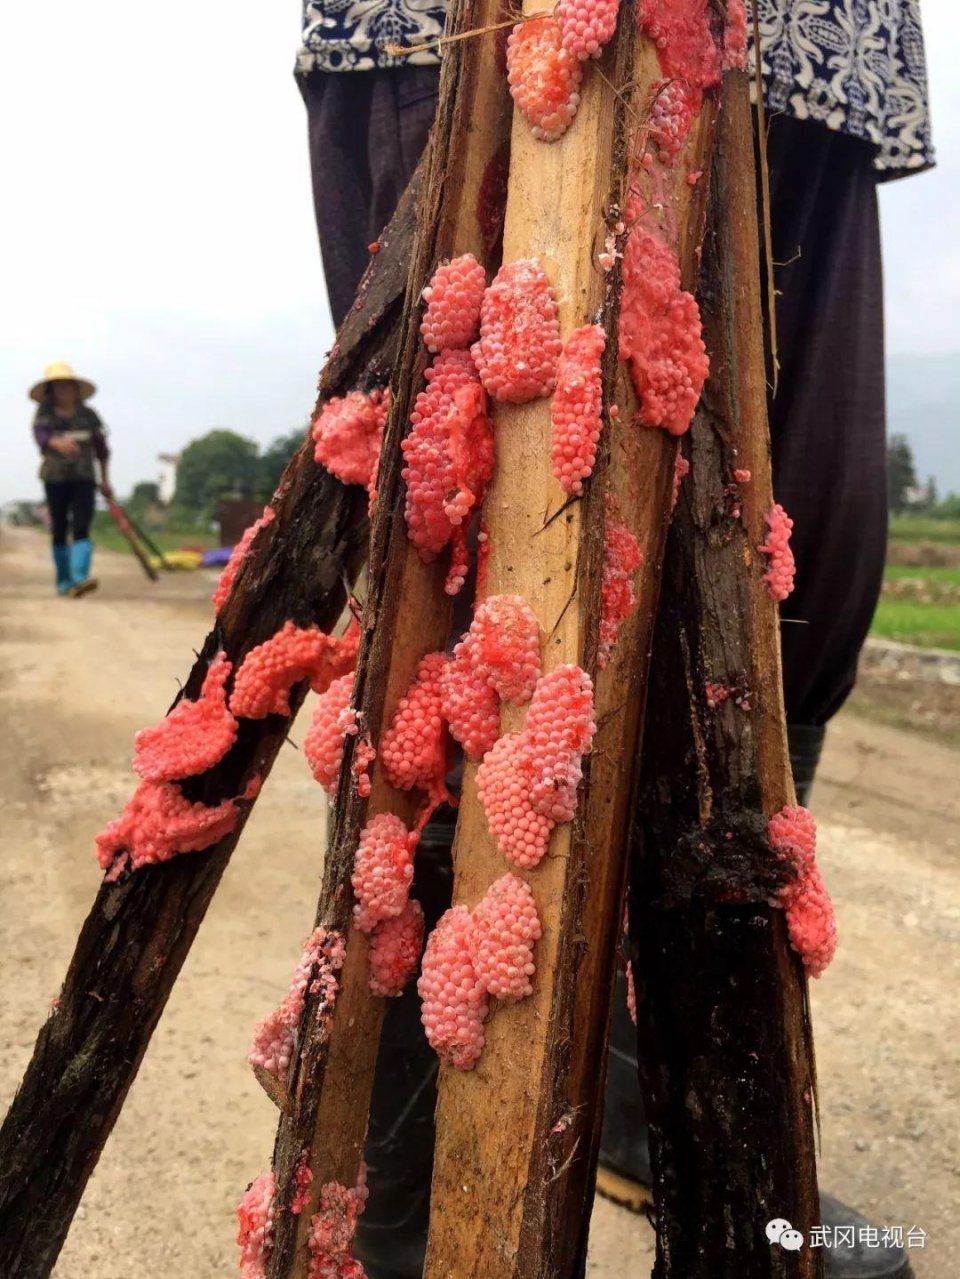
(353, 35)
(856, 66)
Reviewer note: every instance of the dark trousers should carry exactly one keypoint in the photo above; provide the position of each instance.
(70, 503)
(828, 419)
(367, 130)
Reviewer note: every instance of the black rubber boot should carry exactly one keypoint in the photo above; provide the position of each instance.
(805, 743)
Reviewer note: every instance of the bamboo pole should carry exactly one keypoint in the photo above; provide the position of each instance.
(140, 929)
(724, 1034)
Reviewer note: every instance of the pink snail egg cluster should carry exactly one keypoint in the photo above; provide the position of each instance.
(237, 556)
(453, 299)
(558, 733)
(811, 922)
(528, 781)
(735, 36)
(454, 1001)
(363, 756)
(660, 334)
(395, 951)
(575, 413)
(671, 115)
(316, 973)
(684, 38)
(348, 433)
(332, 1228)
(194, 736)
(717, 694)
(504, 786)
(622, 558)
(428, 473)
(505, 927)
(505, 647)
(302, 1178)
(681, 469)
(382, 871)
(792, 833)
(449, 455)
(333, 719)
(159, 823)
(631, 993)
(586, 25)
(413, 750)
(255, 1226)
(544, 77)
(519, 345)
(470, 705)
(781, 569)
(268, 672)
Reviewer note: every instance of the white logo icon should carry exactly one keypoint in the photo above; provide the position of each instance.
(780, 1231)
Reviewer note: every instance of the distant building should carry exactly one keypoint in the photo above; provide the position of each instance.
(167, 478)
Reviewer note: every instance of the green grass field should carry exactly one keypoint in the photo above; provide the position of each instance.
(920, 606)
(921, 528)
(107, 535)
(910, 622)
(936, 577)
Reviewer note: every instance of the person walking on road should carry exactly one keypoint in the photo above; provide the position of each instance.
(74, 449)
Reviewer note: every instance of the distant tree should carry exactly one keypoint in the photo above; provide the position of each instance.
(218, 464)
(901, 473)
(146, 493)
(274, 459)
(948, 508)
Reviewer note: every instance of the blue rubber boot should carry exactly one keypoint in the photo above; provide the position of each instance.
(61, 559)
(80, 557)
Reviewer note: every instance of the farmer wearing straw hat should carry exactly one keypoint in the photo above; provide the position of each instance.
(71, 440)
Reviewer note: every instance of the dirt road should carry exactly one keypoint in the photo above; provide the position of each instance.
(79, 677)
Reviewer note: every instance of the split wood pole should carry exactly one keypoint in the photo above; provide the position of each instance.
(724, 1034)
(517, 1136)
(406, 616)
(140, 929)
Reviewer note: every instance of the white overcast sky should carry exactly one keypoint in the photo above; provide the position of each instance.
(156, 225)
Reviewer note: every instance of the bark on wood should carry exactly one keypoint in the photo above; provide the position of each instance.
(407, 615)
(140, 928)
(516, 1137)
(724, 1035)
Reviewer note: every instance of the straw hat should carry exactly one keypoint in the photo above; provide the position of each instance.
(60, 372)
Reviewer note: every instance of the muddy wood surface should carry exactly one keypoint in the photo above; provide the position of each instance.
(723, 1029)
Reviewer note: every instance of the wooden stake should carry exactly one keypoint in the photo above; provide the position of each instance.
(516, 1136)
(724, 1034)
(407, 615)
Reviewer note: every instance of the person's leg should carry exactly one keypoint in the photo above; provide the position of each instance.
(82, 501)
(58, 507)
(827, 420)
(338, 112)
(367, 130)
(402, 108)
